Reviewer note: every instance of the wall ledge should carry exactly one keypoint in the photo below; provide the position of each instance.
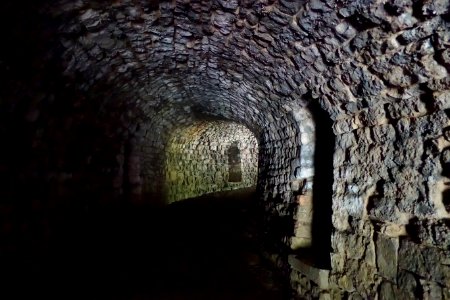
(318, 276)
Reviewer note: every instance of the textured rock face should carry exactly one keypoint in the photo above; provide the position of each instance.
(115, 79)
(198, 162)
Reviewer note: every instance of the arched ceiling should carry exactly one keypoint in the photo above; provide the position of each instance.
(235, 59)
(365, 62)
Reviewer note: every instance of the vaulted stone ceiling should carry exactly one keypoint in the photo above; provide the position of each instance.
(245, 60)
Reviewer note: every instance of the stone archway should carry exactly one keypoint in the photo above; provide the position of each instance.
(198, 159)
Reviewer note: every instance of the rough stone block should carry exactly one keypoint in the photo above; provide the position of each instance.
(431, 290)
(383, 209)
(428, 262)
(300, 242)
(388, 291)
(407, 284)
(410, 258)
(387, 256)
(325, 296)
(318, 276)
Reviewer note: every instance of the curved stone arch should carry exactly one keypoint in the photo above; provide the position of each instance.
(197, 160)
(302, 184)
(243, 104)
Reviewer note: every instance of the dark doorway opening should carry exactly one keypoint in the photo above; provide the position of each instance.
(234, 163)
(322, 187)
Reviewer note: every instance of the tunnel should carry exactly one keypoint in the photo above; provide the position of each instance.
(225, 149)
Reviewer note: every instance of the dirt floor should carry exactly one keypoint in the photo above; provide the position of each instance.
(201, 248)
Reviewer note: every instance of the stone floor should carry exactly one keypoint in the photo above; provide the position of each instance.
(202, 248)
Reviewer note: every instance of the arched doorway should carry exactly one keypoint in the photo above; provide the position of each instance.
(234, 163)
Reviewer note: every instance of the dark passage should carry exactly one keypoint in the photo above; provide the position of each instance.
(234, 163)
(202, 248)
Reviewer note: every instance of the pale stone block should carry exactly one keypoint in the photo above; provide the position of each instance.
(300, 242)
(318, 276)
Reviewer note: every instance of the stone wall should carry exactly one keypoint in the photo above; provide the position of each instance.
(197, 159)
(278, 161)
(388, 208)
(397, 219)
(154, 135)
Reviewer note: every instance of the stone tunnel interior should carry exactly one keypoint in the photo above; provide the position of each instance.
(225, 149)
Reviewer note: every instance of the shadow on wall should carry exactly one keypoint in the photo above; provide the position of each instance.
(445, 160)
(323, 186)
(446, 199)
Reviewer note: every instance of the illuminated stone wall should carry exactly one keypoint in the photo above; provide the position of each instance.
(197, 159)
